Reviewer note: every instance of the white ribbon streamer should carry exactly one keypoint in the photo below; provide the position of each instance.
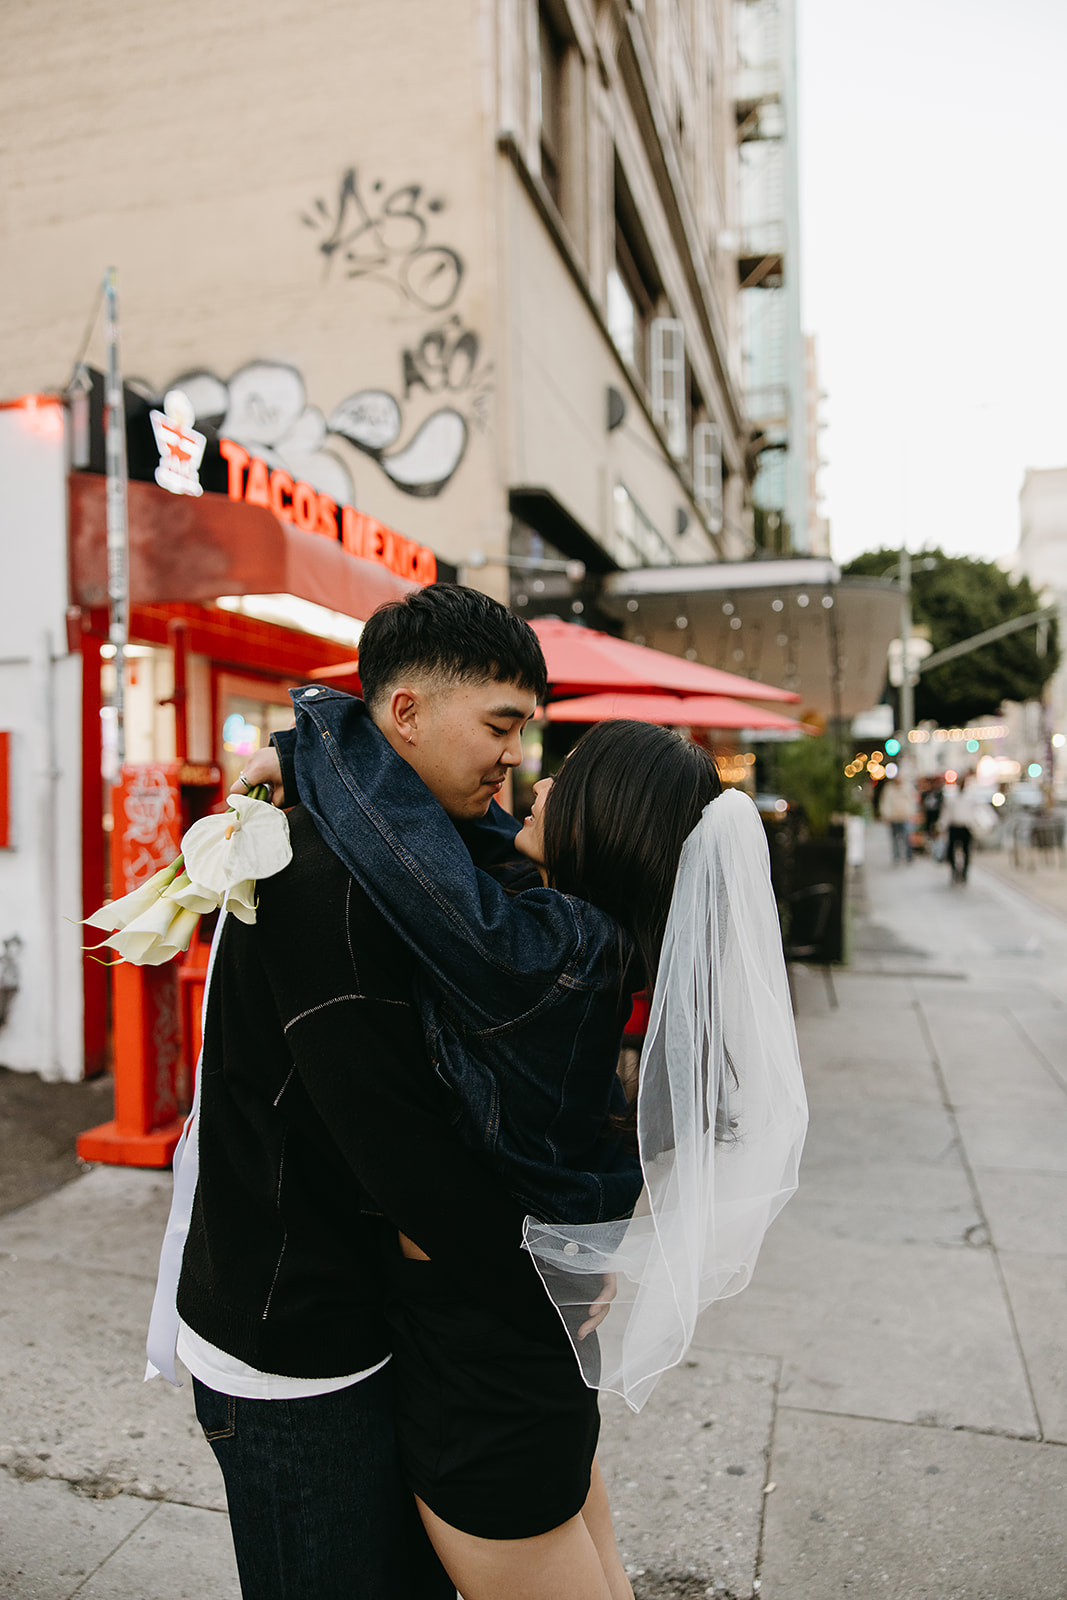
(163, 1323)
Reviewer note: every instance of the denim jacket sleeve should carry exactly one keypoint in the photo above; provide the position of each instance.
(490, 839)
(494, 953)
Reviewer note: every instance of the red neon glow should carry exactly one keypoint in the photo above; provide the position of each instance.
(44, 413)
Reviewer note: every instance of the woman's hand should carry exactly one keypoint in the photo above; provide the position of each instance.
(601, 1305)
(262, 766)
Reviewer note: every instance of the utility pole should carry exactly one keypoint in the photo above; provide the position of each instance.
(907, 688)
(118, 544)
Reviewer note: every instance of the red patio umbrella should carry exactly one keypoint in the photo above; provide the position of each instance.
(690, 711)
(583, 661)
(343, 676)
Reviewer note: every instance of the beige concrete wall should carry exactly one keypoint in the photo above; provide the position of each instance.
(561, 364)
(202, 151)
(408, 336)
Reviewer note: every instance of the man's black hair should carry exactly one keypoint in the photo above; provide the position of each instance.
(452, 633)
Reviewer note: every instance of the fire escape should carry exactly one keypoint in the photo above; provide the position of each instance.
(764, 168)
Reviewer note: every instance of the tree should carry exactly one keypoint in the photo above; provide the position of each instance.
(809, 773)
(955, 598)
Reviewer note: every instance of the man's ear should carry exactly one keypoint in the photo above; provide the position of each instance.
(403, 715)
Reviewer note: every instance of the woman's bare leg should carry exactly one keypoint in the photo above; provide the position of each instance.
(596, 1514)
(561, 1565)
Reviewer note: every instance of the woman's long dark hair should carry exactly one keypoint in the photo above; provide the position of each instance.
(621, 807)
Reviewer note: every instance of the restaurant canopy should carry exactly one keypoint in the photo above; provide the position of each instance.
(717, 712)
(585, 661)
(196, 550)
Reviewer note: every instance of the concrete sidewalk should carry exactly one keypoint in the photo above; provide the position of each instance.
(883, 1412)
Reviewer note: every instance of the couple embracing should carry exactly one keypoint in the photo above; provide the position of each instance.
(418, 1219)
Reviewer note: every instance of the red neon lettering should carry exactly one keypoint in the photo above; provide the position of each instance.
(371, 540)
(305, 509)
(426, 567)
(281, 484)
(257, 488)
(327, 517)
(236, 460)
(351, 530)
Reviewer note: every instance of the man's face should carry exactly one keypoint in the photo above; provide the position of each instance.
(462, 739)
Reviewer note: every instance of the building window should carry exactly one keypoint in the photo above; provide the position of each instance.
(707, 472)
(552, 88)
(623, 321)
(636, 541)
(633, 286)
(670, 390)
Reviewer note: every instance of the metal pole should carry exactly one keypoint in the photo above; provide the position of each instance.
(907, 688)
(118, 545)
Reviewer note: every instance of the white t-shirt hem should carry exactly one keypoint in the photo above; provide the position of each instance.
(227, 1375)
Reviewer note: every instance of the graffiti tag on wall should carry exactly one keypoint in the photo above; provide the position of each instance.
(385, 235)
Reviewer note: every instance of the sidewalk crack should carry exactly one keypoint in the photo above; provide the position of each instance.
(965, 1162)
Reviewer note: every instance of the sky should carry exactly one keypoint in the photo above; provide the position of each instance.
(933, 191)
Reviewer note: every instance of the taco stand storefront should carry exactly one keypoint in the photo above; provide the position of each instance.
(237, 594)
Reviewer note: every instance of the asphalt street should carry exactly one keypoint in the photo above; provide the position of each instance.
(882, 1413)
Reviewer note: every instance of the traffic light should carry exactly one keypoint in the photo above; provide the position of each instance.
(892, 747)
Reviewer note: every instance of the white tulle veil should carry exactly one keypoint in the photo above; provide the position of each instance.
(721, 1118)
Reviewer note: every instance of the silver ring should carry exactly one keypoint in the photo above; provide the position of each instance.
(242, 779)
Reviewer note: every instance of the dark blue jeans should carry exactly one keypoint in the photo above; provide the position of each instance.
(318, 1510)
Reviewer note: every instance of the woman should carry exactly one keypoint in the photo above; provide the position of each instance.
(958, 818)
(524, 998)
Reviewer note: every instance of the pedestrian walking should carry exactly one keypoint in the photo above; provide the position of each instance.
(958, 818)
(930, 802)
(898, 809)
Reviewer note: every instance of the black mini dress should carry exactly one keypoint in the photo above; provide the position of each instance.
(496, 1428)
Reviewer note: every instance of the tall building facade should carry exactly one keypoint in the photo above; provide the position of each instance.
(818, 526)
(769, 271)
(1042, 557)
(461, 263)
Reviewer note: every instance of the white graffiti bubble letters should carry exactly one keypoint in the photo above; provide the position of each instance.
(267, 412)
(369, 419)
(426, 464)
(266, 400)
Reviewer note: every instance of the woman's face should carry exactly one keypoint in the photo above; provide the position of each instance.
(530, 840)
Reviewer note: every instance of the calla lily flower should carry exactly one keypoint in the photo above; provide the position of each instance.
(120, 913)
(221, 853)
(222, 858)
(156, 935)
(190, 895)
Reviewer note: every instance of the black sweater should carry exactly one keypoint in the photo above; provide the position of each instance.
(319, 1108)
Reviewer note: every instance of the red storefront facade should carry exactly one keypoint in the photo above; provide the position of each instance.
(230, 670)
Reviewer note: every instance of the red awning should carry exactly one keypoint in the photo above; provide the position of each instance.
(583, 661)
(677, 711)
(196, 549)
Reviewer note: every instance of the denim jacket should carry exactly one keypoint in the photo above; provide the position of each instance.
(521, 995)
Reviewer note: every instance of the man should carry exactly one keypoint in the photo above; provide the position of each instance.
(318, 1109)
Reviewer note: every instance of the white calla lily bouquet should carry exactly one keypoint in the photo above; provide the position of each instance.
(221, 860)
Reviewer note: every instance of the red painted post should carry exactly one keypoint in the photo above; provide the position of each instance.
(146, 1016)
(177, 633)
